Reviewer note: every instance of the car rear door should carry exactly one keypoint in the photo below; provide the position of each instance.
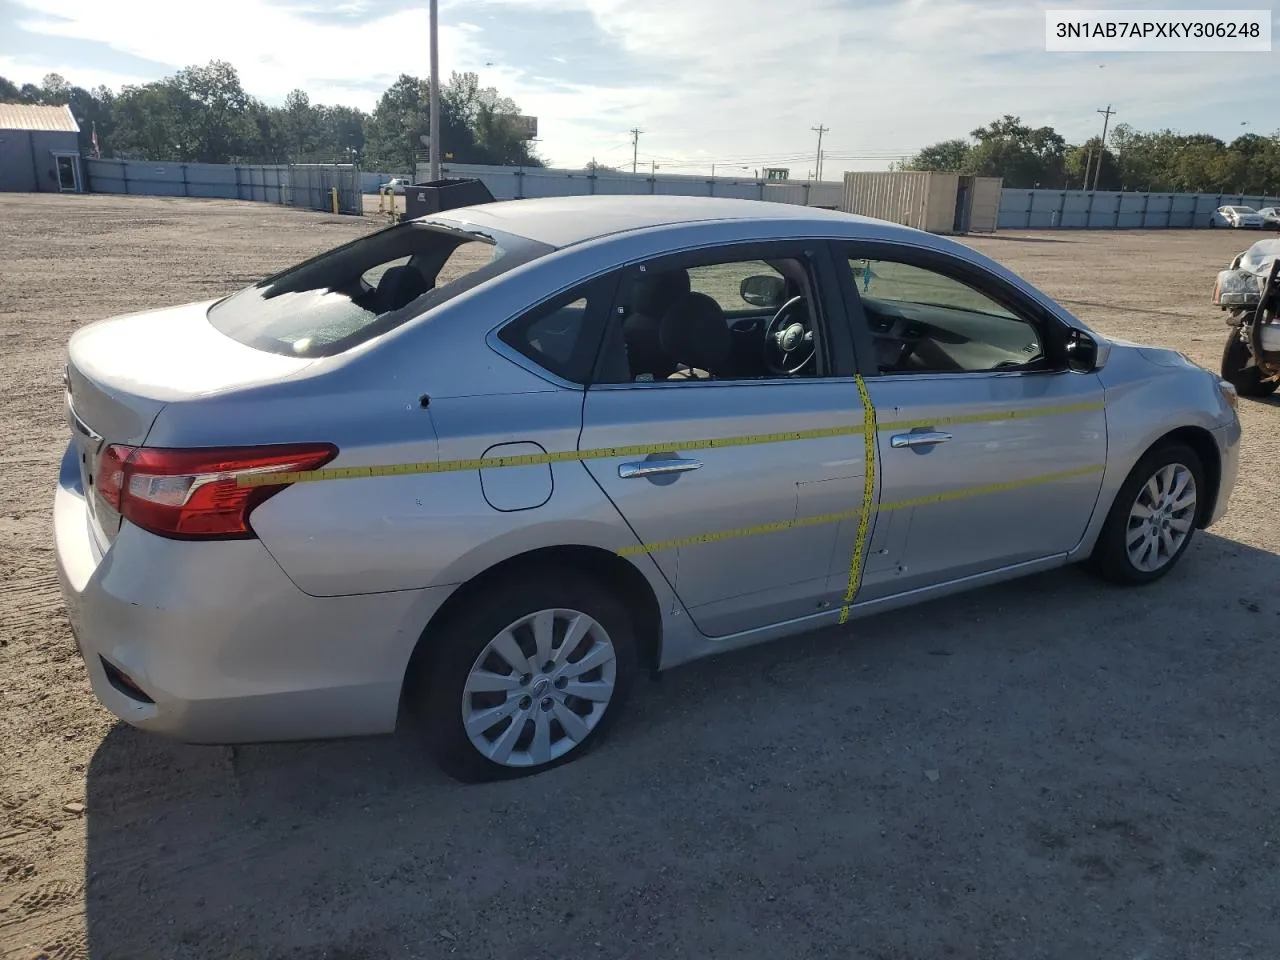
(720, 521)
(989, 451)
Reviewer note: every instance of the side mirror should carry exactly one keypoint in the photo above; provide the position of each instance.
(763, 291)
(1082, 352)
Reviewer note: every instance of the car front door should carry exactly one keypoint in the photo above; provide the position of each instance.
(720, 521)
(989, 450)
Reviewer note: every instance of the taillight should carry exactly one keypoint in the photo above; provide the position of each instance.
(192, 494)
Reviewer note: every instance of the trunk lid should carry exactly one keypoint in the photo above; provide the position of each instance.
(121, 373)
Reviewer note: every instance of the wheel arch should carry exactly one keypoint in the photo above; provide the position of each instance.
(611, 571)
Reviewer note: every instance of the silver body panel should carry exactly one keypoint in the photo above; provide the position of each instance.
(308, 630)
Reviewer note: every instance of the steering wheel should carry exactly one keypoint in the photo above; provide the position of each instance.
(788, 341)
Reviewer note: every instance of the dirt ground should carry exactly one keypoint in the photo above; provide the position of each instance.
(1046, 769)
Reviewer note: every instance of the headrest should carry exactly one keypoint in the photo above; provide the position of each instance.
(399, 286)
(694, 333)
(655, 295)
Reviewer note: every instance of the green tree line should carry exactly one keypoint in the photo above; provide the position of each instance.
(202, 114)
(1163, 161)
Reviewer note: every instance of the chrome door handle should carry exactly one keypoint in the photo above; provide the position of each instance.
(928, 439)
(649, 468)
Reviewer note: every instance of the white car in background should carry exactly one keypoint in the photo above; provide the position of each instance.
(1270, 217)
(1237, 217)
(395, 185)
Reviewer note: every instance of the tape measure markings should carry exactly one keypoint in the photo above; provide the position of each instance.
(860, 512)
(270, 478)
(538, 459)
(868, 499)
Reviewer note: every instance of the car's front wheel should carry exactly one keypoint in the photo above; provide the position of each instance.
(1153, 518)
(1247, 380)
(527, 677)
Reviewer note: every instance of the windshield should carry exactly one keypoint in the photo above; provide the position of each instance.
(362, 289)
(1242, 209)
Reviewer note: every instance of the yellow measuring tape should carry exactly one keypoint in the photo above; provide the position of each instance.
(537, 459)
(867, 427)
(863, 514)
(868, 495)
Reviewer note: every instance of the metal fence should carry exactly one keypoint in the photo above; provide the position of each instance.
(521, 183)
(1102, 210)
(311, 186)
(300, 185)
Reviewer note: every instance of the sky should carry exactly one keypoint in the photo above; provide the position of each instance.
(736, 83)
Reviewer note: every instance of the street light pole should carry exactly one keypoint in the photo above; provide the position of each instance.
(433, 148)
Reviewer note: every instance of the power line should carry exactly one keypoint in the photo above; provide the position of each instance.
(635, 146)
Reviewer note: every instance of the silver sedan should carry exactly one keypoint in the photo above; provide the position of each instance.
(481, 469)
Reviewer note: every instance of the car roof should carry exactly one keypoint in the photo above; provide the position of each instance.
(563, 221)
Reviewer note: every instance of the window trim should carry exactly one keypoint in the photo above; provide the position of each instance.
(599, 292)
(1049, 328)
(837, 346)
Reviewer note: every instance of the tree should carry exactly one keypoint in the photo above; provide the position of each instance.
(300, 121)
(1083, 160)
(948, 155)
(54, 90)
(1023, 156)
(393, 135)
(213, 112)
(492, 118)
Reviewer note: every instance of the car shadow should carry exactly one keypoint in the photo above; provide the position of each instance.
(741, 792)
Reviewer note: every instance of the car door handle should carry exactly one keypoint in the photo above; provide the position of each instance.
(924, 439)
(650, 468)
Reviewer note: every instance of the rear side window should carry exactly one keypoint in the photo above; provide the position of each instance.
(562, 335)
(365, 288)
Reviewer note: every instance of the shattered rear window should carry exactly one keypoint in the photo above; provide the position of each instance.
(362, 289)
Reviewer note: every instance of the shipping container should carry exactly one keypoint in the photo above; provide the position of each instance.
(807, 193)
(925, 200)
(984, 205)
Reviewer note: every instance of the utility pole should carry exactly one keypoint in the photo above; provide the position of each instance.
(819, 130)
(635, 145)
(433, 149)
(1102, 146)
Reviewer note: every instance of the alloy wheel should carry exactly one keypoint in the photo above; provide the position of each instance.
(1161, 518)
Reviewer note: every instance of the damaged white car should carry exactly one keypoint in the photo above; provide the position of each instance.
(1249, 291)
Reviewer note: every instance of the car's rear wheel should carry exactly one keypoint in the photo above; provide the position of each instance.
(1153, 518)
(1248, 381)
(527, 677)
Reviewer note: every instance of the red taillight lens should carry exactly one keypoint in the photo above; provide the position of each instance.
(192, 494)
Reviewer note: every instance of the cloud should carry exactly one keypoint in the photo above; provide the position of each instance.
(732, 81)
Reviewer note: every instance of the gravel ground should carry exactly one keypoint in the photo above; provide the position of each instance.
(1046, 769)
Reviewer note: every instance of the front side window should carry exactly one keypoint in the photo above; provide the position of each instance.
(362, 289)
(728, 319)
(924, 321)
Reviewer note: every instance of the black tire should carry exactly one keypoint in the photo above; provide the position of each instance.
(437, 692)
(1110, 558)
(1247, 380)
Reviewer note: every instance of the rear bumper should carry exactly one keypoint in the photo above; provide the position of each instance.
(221, 640)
